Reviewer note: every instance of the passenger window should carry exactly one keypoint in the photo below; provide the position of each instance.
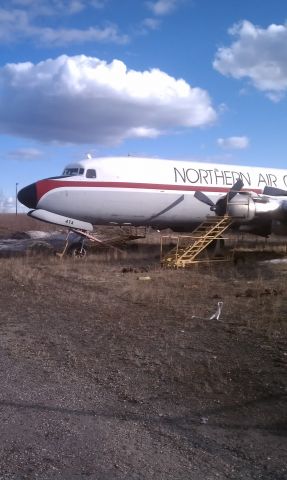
(91, 173)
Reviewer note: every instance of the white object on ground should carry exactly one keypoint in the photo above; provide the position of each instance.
(217, 314)
(214, 316)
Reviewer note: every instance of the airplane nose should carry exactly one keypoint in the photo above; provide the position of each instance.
(28, 196)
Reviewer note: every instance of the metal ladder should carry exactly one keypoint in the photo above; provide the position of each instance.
(188, 248)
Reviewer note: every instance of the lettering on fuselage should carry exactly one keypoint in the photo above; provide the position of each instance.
(226, 178)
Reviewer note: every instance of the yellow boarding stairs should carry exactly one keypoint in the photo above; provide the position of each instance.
(188, 248)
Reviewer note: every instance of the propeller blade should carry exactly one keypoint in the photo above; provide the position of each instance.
(274, 192)
(235, 189)
(204, 198)
(221, 204)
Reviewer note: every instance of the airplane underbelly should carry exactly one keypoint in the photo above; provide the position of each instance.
(103, 206)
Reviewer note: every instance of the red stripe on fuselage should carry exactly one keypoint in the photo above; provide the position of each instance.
(45, 186)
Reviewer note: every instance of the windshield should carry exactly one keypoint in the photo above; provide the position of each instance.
(69, 172)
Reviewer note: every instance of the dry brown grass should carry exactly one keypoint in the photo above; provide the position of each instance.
(10, 223)
(253, 295)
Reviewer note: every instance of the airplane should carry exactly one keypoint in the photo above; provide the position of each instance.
(160, 193)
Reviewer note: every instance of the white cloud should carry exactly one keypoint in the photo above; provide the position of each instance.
(144, 132)
(258, 54)
(7, 204)
(65, 36)
(40, 7)
(11, 21)
(86, 100)
(25, 154)
(76, 6)
(151, 23)
(163, 7)
(233, 143)
(18, 24)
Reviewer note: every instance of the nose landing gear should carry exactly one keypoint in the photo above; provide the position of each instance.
(77, 250)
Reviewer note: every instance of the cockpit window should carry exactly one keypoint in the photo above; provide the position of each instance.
(91, 173)
(70, 172)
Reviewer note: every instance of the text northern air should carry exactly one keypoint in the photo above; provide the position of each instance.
(226, 178)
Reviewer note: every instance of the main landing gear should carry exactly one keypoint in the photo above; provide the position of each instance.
(75, 247)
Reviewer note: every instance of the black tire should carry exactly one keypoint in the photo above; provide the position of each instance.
(77, 251)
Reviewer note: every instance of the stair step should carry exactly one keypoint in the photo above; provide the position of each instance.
(201, 237)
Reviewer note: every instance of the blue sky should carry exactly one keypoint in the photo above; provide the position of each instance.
(187, 79)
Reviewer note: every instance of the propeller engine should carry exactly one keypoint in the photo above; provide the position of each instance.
(220, 207)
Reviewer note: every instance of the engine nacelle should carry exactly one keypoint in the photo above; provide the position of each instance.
(246, 207)
(241, 207)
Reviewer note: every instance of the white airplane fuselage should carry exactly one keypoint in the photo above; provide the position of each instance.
(145, 191)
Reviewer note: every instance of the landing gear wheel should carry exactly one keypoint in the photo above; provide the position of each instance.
(78, 252)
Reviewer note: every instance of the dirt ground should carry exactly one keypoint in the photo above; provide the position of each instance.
(108, 374)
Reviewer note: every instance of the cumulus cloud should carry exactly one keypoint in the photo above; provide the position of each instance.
(257, 54)
(163, 7)
(233, 143)
(83, 99)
